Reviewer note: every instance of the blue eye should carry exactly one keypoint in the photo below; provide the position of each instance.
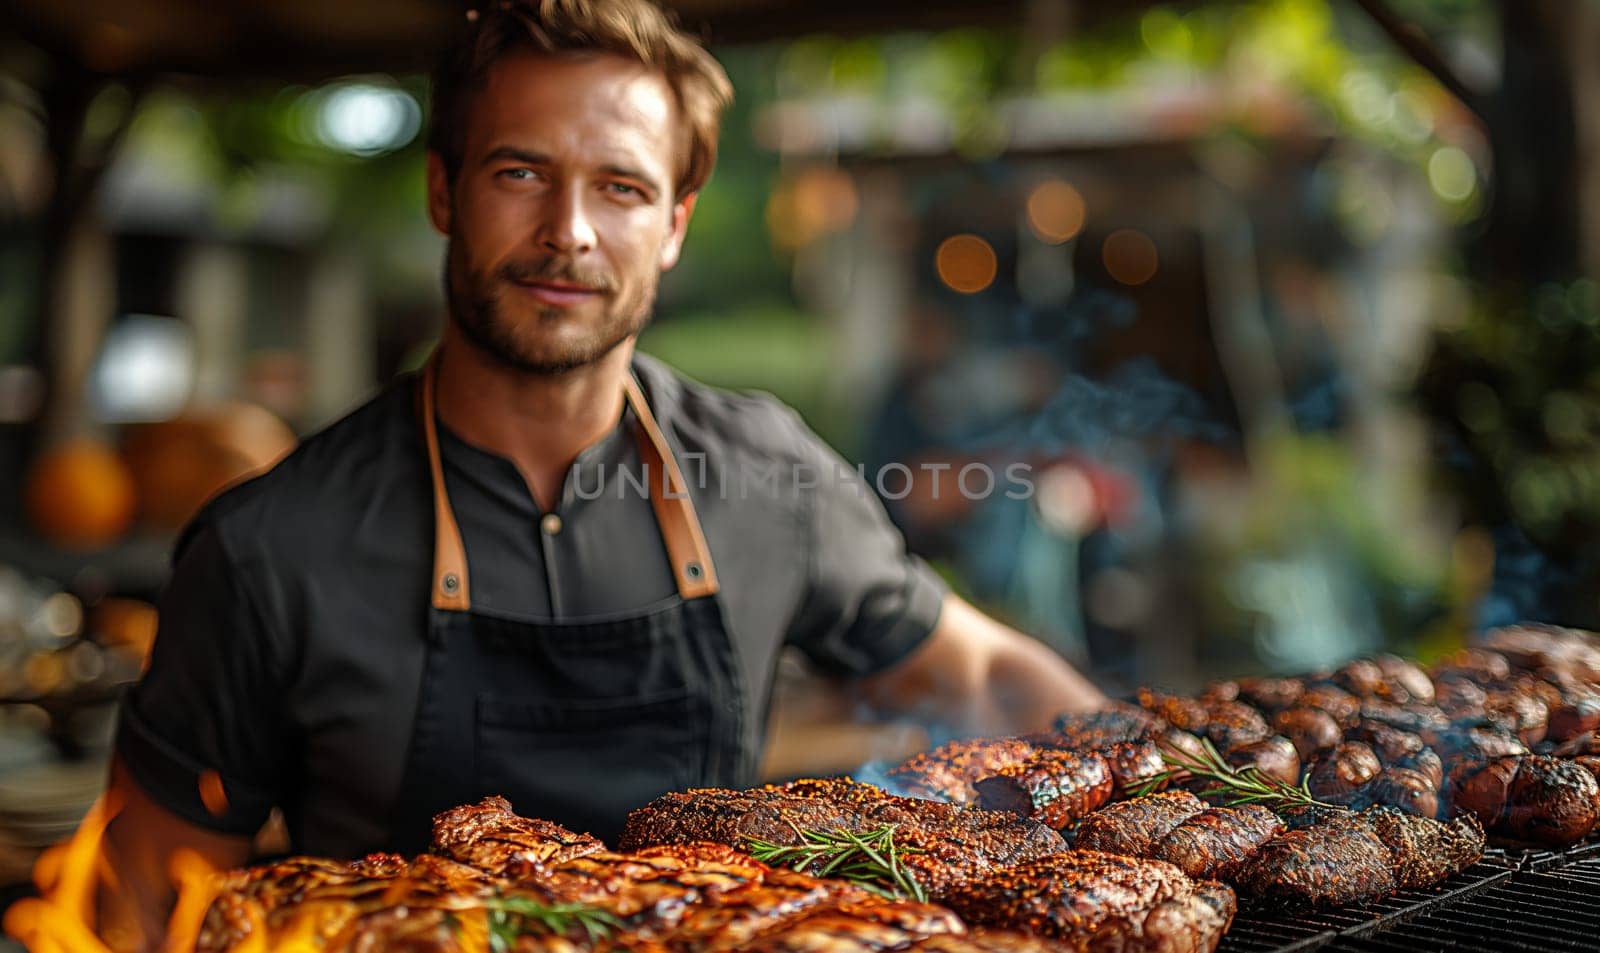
(518, 175)
(622, 188)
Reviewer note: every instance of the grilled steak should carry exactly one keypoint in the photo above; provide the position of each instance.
(1343, 706)
(1271, 694)
(864, 928)
(689, 898)
(1134, 827)
(493, 838)
(1274, 757)
(1097, 729)
(947, 772)
(1425, 851)
(955, 842)
(1311, 730)
(1134, 765)
(1093, 900)
(1477, 665)
(1212, 844)
(1053, 787)
(1401, 788)
(1533, 798)
(1340, 775)
(1235, 724)
(1186, 714)
(986, 941)
(1347, 856)
(1577, 714)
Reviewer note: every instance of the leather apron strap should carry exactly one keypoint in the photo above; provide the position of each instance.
(692, 568)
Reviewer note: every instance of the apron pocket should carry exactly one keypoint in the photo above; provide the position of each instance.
(586, 763)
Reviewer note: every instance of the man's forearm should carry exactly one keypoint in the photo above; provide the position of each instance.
(981, 677)
(135, 892)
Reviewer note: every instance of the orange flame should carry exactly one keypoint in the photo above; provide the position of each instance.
(62, 919)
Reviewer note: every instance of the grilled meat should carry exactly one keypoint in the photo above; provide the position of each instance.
(1186, 714)
(1092, 900)
(1343, 706)
(954, 842)
(1401, 788)
(1134, 827)
(1274, 757)
(985, 941)
(1311, 730)
(493, 838)
(1360, 677)
(1425, 851)
(1339, 777)
(1232, 725)
(1477, 665)
(864, 928)
(1533, 798)
(1415, 719)
(1108, 726)
(1522, 713)
(1389, 743)
(1347, 856)
(1458, 697)
(689, 898)
(1339, 860)
(1469, 740)
(1536, 647)
(1271, 694)
(1404, 682)
(947, 772)
(1134, 765)
(1212, 844)
(1054, 787)
(1577, 714)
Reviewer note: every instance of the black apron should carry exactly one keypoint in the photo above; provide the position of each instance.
(581, 722)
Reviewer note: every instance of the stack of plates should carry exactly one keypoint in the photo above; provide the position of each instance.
(41, 805)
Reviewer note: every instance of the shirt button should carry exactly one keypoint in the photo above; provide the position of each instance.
(551, 524)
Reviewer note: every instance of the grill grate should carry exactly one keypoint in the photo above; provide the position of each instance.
(1516, 901)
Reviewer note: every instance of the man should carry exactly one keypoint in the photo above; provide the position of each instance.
(454, 592)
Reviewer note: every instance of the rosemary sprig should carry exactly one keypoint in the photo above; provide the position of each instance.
(871, 859)
(512, 917)
(1153, 783)
(1246, 785)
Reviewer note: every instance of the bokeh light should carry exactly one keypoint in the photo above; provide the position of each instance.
(1055, 211)
(1130, 256)
(366, 120)
(1452, 174)
(817, 202)
(966, 263)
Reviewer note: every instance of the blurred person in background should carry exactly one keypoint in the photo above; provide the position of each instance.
(462, 588)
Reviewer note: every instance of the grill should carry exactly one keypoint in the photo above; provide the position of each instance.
(1510, 900)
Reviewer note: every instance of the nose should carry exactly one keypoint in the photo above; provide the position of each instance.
(564, 224)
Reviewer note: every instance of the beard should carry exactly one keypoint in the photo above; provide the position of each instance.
(535, 339)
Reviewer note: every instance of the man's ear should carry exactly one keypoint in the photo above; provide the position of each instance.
(682, 209)
(438, 193)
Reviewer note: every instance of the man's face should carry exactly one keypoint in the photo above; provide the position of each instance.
(562, 217)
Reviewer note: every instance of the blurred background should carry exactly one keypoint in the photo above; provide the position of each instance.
(1290, 305)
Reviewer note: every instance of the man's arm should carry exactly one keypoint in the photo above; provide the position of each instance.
(136, 893)
(982, 677)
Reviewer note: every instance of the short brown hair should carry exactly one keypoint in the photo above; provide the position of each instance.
(636, 29)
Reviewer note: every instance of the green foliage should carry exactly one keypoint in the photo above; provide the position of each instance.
(870, 859)
(1518, 386)
(513, 917)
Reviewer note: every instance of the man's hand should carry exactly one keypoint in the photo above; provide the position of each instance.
(982, 677)
(136, 894)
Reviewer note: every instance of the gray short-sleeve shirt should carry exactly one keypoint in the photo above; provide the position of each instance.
(293, 630)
